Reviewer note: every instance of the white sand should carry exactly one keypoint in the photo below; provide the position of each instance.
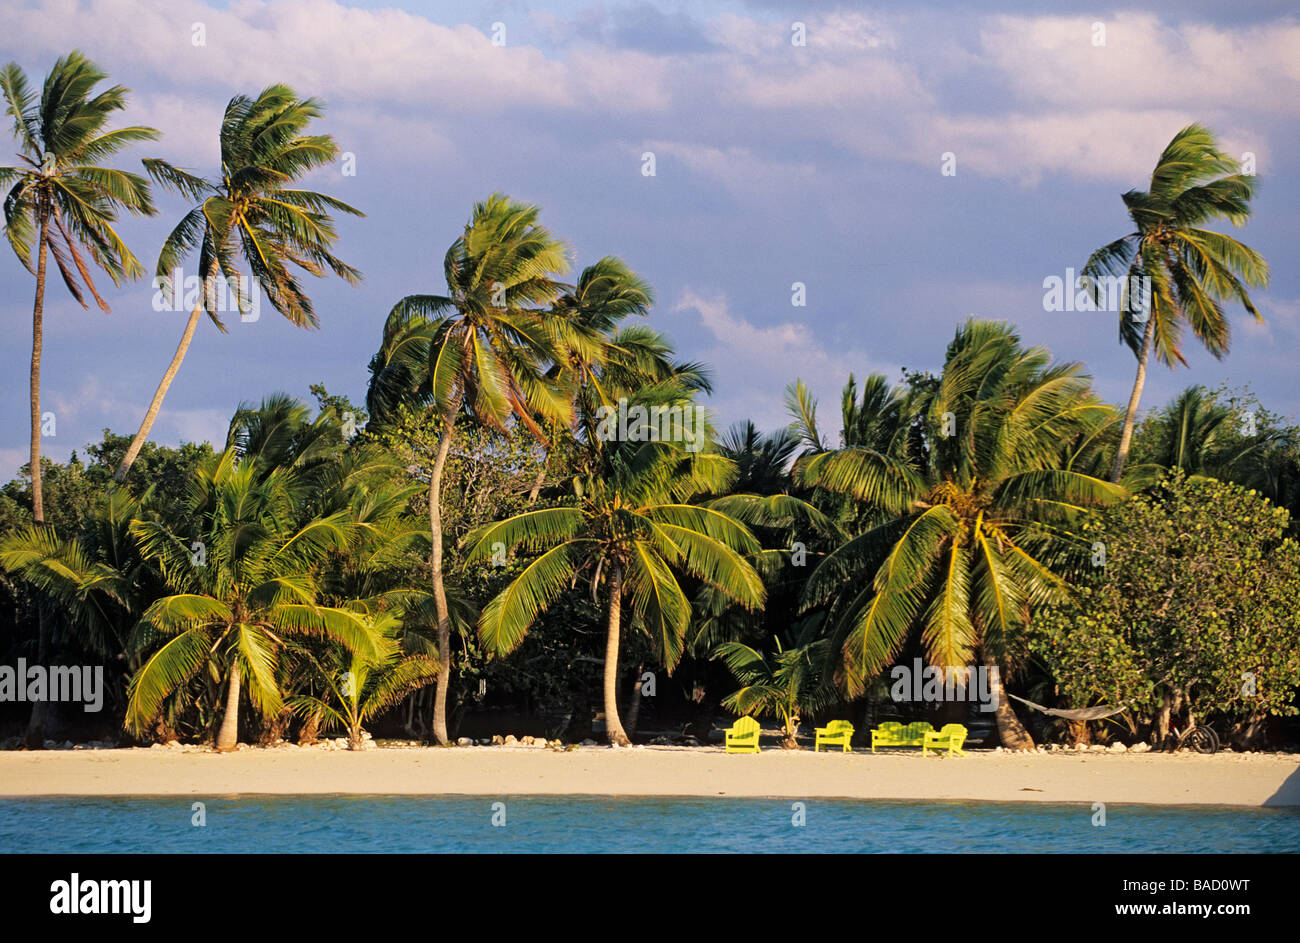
(1224, 779)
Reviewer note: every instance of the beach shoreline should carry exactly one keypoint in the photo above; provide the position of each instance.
(1239, 779)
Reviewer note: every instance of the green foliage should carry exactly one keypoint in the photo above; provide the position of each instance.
(252, 215)
(62, 193)
(789, 684)
(977, 505)
(1195, 599)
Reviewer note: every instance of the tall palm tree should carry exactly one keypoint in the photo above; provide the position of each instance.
(979, 523)
(237, 593)
(65, 199)
(483, 347)
(1192, 271)
(631, 531)
(254, 214)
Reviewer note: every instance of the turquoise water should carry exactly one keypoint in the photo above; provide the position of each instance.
(596, 824)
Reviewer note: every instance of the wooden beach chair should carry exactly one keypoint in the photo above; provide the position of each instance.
(893, 734)
(742, 737)
(951, 737)
(838, 733)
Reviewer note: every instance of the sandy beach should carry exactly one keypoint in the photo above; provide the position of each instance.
(1225, 779)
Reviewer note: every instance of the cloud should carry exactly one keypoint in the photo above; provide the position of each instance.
(1031, 95)
(749, 357)
(738, 169)
(1146, 63)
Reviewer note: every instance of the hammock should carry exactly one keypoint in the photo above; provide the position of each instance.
(1081, 713)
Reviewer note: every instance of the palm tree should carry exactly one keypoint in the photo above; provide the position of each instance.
(979, 521)
(761, 460)
(238, 592)
(630, 530)
(252, 212)
(65, 199)
(789, 684)
(483, 347)
(1192, 271)
(361, 688)
(598, 359)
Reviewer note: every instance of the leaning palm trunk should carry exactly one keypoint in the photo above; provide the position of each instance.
(1011, 731)
(613, 728)
(435, 572)
(172, 368)
(228, 735)
(1130, 415)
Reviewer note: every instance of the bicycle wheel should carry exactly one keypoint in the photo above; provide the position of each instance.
(1203, 740)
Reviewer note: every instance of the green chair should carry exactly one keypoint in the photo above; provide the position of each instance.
(951, 737)
(893, 734)
(743, 736)
(837, 733)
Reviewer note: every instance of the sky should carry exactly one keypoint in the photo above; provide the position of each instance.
(910, 164)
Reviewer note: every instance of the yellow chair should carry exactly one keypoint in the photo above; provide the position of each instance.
(893, 734)
(743, 736)
(952, 736)
(837, 733)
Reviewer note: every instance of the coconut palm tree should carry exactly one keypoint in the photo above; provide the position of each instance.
(359, 688)
(598, 358)
(789, 683)
(65, 199)
(251, 213)
(761, 460)
(978, 525)
(482, 347)
(1192, 271)
(631, 532)
(238, 591)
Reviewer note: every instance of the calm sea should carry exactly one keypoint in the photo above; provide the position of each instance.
(596, 824)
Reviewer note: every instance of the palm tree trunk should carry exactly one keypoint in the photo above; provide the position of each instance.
(1011, 731)
(435, 571)
(1130, 415)
(228, 735)
(37, 721)
(170, 374)
(790, 732)
(537, 484)
(38, 340)
(634, 703)
(613, 729)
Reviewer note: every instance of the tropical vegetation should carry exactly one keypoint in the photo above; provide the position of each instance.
(533, 521)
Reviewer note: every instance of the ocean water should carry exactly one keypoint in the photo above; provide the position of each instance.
(595, 824)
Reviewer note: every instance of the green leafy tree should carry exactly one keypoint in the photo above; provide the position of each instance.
(360, 688)
(630, 532)
(1191, 616)
(789, 683)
